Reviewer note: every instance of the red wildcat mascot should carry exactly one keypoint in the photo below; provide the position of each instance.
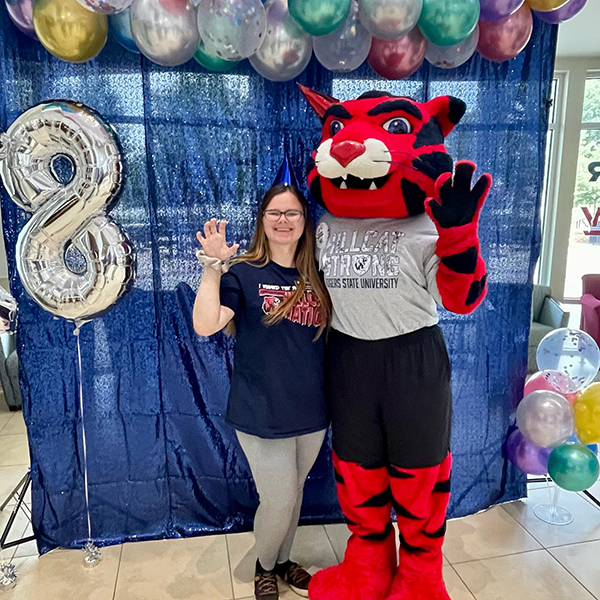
(400, 237)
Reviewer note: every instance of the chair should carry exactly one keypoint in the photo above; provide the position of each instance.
(546, 315)
(9, 371)
(590, 306)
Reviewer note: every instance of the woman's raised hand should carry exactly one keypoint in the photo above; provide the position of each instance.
(213, 241)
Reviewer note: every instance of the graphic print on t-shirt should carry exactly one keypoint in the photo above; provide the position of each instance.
(305, 312)
(353, 259)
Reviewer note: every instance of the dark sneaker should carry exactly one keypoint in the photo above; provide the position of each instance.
(265, 584)
(295, 576)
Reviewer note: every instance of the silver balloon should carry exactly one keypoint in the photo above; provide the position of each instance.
(68, 217)
(8, 311)
(347, 47)
(389, 19)
(546, 419)
(166, 31)
(106, 7)
(287, 48)
(449, 57)
(232, 29)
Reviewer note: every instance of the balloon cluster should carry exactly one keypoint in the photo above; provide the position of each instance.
(560, 413)
(279, 36)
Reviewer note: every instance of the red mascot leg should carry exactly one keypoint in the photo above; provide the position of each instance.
(370, 560)
(420, 500)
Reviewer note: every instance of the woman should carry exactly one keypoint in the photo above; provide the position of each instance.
(276, 302)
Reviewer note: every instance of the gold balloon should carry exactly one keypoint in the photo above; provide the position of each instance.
(587, 415)
(68, 30)
(546, 5)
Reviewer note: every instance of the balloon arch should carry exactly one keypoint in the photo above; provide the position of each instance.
(279, 36)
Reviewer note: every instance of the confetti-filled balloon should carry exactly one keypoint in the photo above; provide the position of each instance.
(450, 57)
(119, 26)
(106, 7)
(496, 10)
(233, 29)
(503, 40)
(21, 14)
(211, 62)
(166, 33)
(397, 59)
(553, 381)
(572, 352)
(526, 456)
(69, 31)
(587, 415)
(287, 48)
(573, 467)
(320, 17)
(564, 13)
(389, 19)
(448, 22)
(546, 5)
(546, 419)
(347, 47)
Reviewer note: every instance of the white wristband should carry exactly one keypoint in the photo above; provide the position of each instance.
(214, 263)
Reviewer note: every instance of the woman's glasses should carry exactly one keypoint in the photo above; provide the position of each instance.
(293, 216)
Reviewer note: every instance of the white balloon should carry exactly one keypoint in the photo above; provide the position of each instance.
(347, 47)
(165, 31)
(389, 19)
(287, 47)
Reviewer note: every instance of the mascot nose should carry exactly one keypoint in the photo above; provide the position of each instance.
(346, 151)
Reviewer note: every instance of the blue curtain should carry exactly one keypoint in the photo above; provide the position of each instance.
(162, 462)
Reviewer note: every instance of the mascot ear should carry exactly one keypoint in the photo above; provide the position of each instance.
(320, 102)
(447, 110)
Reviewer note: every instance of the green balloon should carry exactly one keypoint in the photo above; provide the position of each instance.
(573, 467)
(211, 61)
(448, 22)
(319, 17)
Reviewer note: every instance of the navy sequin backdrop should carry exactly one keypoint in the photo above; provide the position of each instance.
(162, 462)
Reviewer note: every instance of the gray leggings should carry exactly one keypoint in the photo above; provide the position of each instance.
(279, 468)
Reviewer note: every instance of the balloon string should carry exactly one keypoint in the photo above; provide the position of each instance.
(83, 436)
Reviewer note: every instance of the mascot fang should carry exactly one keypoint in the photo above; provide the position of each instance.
(400, 237)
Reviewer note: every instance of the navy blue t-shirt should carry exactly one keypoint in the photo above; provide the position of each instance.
(277, 387)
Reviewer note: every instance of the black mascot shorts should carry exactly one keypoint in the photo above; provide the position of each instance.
(390, 400)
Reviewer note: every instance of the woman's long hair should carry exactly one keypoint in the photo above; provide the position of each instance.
(259, 254)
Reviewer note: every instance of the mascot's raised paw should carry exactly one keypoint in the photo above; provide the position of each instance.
(457, 204)
(461, 277)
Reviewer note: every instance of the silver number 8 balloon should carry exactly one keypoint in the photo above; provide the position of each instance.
(67, 215)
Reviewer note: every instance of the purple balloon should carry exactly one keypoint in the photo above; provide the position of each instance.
(496, 10)
(21, 14)
(562, 14)
(526, 456)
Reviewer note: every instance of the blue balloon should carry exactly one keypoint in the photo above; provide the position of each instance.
(572, 352)
(593, 447)
(120, 28)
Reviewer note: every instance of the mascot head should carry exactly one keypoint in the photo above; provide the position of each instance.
(380, 155)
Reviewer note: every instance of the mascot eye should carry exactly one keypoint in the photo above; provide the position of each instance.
(398, 125)
(335, 127)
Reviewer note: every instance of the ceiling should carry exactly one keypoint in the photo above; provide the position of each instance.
(580, 36)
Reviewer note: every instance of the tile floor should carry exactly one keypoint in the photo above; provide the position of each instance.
(505, 553)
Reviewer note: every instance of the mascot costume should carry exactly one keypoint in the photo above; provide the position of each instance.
(400, 236)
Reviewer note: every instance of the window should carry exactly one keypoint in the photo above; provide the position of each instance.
(550, 188)
(584, 239)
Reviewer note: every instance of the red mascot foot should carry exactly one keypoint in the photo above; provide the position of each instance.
(420, 500)
(370, 560)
